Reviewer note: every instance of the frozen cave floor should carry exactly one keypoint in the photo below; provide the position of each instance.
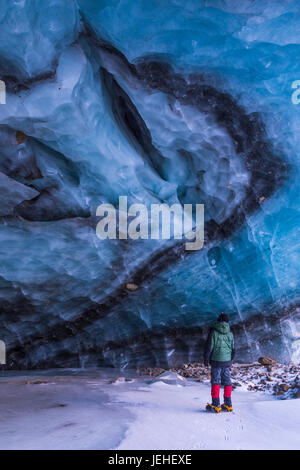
(106, 409)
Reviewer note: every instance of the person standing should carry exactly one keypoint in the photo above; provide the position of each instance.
(219, 353)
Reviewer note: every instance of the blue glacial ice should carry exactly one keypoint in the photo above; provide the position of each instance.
(162, 102)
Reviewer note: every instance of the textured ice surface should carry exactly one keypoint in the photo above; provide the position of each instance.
(62, 410)
(159, 102)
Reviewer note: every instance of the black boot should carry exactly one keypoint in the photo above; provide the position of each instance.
(215, 401)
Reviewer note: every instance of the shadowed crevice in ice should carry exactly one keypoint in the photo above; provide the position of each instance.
(130, 122)
(51, 178)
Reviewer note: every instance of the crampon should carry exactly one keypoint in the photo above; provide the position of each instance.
(226, 408)
(212, 408)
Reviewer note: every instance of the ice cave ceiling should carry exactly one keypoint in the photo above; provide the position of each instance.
(162, 102)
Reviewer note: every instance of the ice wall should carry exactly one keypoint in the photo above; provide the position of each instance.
(160, 102)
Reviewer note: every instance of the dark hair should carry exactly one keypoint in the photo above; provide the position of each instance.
(223, 317)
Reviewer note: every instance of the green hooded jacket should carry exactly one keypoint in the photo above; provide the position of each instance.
(222, 342)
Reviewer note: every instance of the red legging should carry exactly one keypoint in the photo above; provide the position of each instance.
(215, 391)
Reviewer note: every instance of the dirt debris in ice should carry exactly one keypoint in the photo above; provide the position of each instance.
(281, 380)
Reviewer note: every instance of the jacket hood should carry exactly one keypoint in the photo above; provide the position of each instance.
(222, 327)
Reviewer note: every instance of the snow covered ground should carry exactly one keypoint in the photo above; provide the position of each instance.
(100, 410)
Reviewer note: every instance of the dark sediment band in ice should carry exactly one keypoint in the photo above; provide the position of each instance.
(162, 347)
